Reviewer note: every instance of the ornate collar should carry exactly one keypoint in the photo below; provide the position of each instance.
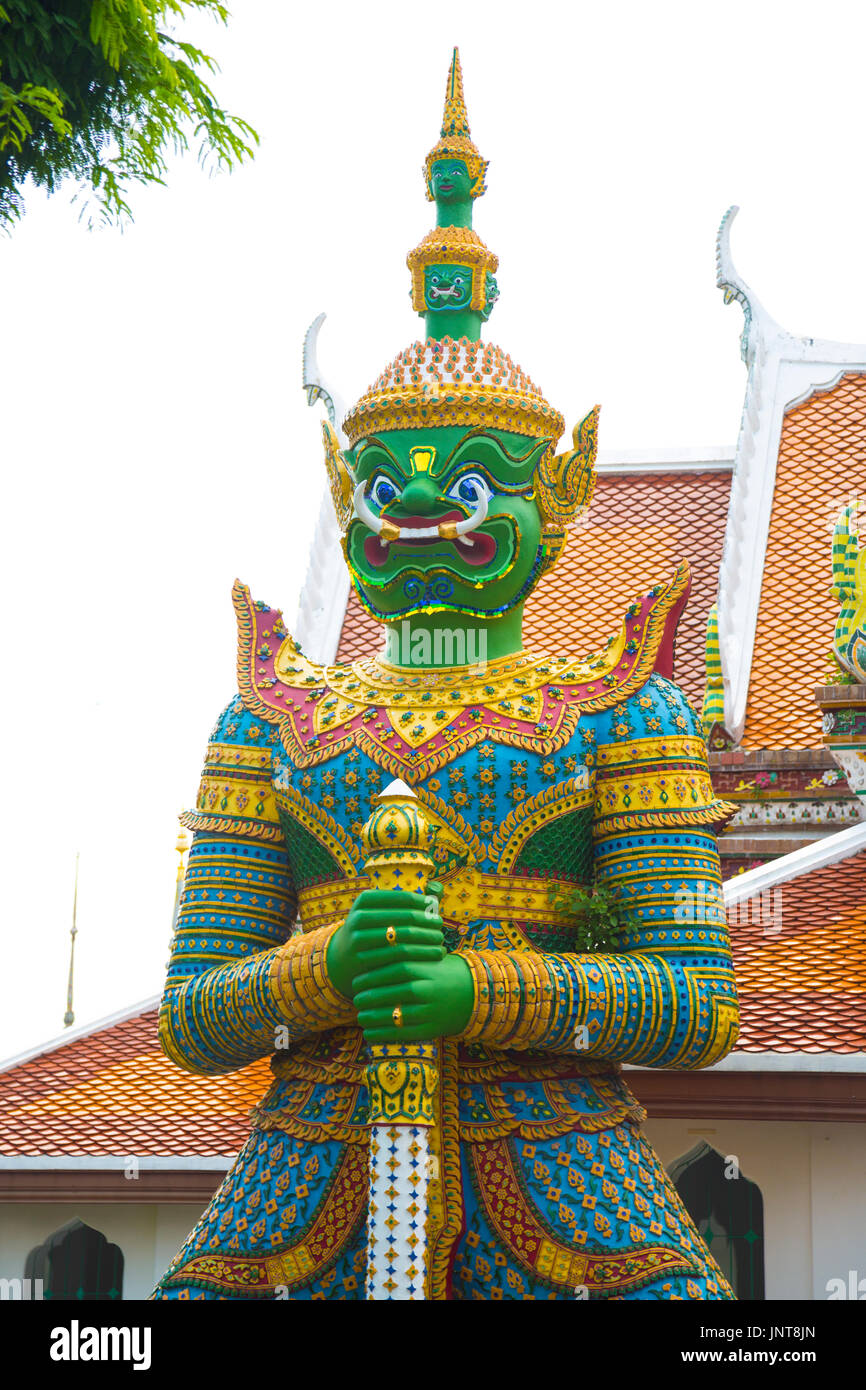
(412, 722)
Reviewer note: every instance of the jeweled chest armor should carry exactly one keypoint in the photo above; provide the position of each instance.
(513, 831)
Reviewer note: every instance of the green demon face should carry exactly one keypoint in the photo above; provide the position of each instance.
(491, 294)
(444, 521)
(450, 181)
(447, 287)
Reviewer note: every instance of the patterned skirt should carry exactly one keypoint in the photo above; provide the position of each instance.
(588, 1213)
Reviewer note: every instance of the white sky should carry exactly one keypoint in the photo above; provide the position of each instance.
(155, 440)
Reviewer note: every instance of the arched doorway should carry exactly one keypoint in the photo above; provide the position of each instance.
(76, 1262)
(728, 1211)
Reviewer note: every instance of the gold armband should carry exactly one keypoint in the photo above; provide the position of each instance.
(301, 987)
(513, 999)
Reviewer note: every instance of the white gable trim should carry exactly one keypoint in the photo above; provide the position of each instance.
(84, 1031)
(322, 605)
(59, 1163)
(659, 461)
(831, 849)
(820, 1062)
(783, 371)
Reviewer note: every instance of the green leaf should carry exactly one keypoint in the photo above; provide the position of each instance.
(102, 94)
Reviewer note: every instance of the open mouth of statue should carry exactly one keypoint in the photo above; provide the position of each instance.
(475, 548)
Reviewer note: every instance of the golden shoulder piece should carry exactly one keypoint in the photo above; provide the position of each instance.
(294, 669)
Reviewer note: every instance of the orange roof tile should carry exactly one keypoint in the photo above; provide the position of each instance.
(637, 529)
(822, 461)
(113, 1092)
(803, 988)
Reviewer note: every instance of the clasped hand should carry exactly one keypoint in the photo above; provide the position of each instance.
(390, 953)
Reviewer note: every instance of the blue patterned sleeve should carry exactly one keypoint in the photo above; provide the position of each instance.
(239, 983)
(664, 995)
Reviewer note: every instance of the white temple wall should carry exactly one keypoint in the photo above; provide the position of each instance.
(812, 1178)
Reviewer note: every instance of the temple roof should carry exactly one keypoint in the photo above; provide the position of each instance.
(801, 455)
(111, 1091)
(798, 933)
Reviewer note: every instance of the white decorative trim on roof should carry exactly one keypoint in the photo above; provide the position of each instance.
(853, 763)
(783, 371)
(709, 460)
(773, 815)
(58, 1163)
(83, 1031)
(780, 1061)
(832, 849)
(315, 385)
(322, 604)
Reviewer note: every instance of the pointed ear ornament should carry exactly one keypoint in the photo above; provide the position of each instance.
(564, 482)
(340, 477)
(564, 485)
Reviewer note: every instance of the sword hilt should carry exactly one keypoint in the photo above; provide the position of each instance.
(402, 1078)
(398, 842)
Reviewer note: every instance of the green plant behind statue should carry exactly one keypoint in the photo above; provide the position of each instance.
(100, 93)
(599, 916)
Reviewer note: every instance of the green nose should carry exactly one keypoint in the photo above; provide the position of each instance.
(421, 495)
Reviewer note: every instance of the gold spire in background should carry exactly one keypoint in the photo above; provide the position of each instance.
(69, 1016)
(181, 844)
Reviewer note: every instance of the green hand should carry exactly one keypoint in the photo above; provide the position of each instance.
(361, 944)
(434, 990)
(435, 999)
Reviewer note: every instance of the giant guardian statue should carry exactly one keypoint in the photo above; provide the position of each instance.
(442, 886)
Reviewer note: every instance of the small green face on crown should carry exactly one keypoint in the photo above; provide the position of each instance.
(447, 287)
(406, 554)
(450, 181)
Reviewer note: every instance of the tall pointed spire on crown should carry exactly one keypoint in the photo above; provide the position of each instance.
(455, 141)
(450, 378)
(454, 119)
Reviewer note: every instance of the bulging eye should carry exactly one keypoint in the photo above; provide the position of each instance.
(458, 279)
(383, 491)
(469, 488)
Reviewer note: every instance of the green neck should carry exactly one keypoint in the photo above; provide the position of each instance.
(462, 323)
(454, 214)
(434, 640)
